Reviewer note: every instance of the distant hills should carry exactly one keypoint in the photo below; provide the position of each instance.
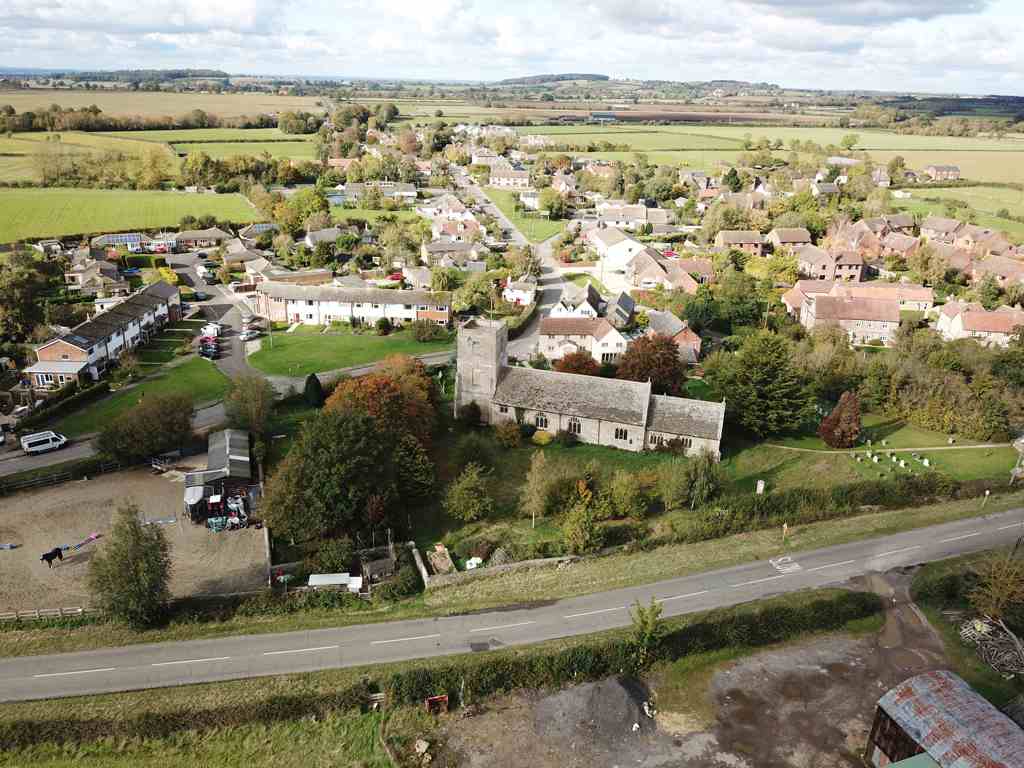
(539, 79)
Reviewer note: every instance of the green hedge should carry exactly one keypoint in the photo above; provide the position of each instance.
(62, 404)
(472, 677)
(517, 325)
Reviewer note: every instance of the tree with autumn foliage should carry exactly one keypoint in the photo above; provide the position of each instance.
(578, 362)
(656, 359)
(399, 395)
(841, 428)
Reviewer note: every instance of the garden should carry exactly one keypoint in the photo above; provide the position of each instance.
(534, 228)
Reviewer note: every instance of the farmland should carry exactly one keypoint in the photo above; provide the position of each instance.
(978, 166)
(924, 207)
(218, 150)
(87, 142)
(153, 104)
(175, 136)
(53, 212)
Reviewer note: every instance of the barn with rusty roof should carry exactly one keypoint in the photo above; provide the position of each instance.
(936, 719)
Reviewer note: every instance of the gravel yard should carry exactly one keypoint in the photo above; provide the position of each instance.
(39, 520)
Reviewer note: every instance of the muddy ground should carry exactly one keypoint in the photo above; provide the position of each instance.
(203, 562)
(806, 705)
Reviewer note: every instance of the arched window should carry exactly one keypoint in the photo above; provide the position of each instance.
(575, 426)
(541, 421)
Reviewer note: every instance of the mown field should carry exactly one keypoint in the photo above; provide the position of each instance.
(301, 150)
(1002, 166)
(51, 212)
(155, 104)
(1014, 229)
(17, 152)
(209, 134)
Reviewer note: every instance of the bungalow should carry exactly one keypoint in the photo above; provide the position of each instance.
(900, 222)
(510, 178)
(631, 217)
(750, 241)
(447, 207)
(261, 270)
(131, 240)
(614, 247)
(329, 235)
(824, 189)
(201, 238)
(940, 229)
(441, 252)
(520, 292)
(485, 156)
(237, 253)
(354, 192)
(666, 324)
(789, 236)
(650, 269)
(253, 231)
(880, 178)
(942, 172)
(325, 304)
(746, 201)
(864, 320)
(561, 336)
(971, 321)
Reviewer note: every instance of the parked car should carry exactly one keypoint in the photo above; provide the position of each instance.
(209, 353)
(207, 339)
(249, 335)
(201, 296)
(41, 442)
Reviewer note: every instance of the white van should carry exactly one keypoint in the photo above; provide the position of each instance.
(210, 329)
(41, 442)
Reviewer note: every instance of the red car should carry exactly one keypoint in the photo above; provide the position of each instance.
(396, 277)
(207, 339)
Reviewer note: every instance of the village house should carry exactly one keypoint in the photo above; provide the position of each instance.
(461, 231)
(446, 207)
(252, 232)
(263, 270)
(329, 235)
(561, 336)
(795, 297)
(661, 323)
(441, 253)
(564, 184)
(789, 236)
(1005, 271)
(909, 296)
(238, 254)
(745, 201)
(864, 320)
(971, 235)
(898, 245)
(510, 178)
(133, 241)
(942, 172)
(200, 238)
(613, 246)
(630, 217)
(650, 269)
(353, 193)
(817, 264)
(90, 348)
(940, 229)
(326, 304)
(91, 277)
(824, 189)
(863, 237)
(880, 178)
(973, 321)
(579, 301)
(485, 156)
(741, 240)
(611, 412)
(418, 278)
(520, 292)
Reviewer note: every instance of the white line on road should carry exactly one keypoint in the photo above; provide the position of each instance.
(301, 650)
(682, 597)
(831, 565)
(506, 626)
(404, 639)
(591, 613)
(897, 551)
(190, 661)
(957, 538)
(759, 581)
(1011, 525)
(77, 672)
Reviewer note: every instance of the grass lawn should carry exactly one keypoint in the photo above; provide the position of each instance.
(534, 228)
(340, 214)
(307, 350)
(582, 278)
(877, 427)
(218, 150)
(55, 212)
(985, 218)
(698, 390)
(200, 378)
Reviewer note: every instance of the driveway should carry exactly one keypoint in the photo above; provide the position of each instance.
(551, 285)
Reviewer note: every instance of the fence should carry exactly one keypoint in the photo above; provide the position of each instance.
(41, 614)
(41, 481)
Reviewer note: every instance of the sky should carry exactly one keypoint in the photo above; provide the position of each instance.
(942, 46)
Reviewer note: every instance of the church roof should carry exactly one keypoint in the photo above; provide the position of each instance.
(682, 416)
(593, 398)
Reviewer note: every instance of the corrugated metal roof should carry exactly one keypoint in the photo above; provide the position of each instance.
(955, 726)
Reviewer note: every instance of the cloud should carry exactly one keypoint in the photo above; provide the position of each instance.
(870, 12)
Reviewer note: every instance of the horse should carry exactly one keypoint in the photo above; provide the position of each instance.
(53, 554)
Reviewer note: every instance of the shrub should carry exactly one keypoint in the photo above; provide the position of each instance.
(565, 439)
(527, 430)
(383, 326)
(335, 555)
(158, 423)
(469, 414)
(313, 391)
(542, 438)
(424, 331)
(474, 447)
(467, 498)
(626, 495)
(507, 434)
(673, 487)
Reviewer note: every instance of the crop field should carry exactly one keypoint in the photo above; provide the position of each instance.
(175, 136)
(977, 166)
(641, 139)
(20, 168)
(1014, 229)
(153, 104)
(218, 150)
(52, 212)
(89, 142)
(982, 199)
(699, 159)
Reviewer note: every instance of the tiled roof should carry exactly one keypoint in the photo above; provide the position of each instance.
(1003, 320)
(591, 397)
(597, 327)
(740, 237)
(791, 235)
(291, 292)
(682, 416)
(844, 308)
(940, 224)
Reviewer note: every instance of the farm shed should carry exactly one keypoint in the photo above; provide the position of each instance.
(939, 715)
(228, 469)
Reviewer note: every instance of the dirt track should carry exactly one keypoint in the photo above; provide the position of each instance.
(203, 562)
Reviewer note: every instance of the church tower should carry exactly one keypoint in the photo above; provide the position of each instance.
(482, 352)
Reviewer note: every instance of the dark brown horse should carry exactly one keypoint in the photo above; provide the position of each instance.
(53, 554)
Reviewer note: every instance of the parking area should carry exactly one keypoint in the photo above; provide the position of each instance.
(204, 563)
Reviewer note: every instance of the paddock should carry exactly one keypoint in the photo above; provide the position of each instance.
(204, 563)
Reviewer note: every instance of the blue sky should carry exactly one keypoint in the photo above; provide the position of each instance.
(967, 46)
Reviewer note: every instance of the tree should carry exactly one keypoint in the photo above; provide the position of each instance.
(647, 630)
(703, 479)
(581, 362)
(416, 471)
(579, 529)
(849, 141)
(656, 359)
(626, 495)
(467, 498)
(841, 428)
(313, 391)
(129, 576)
(156, 424)
(989, 292)
(22, 285)
(763, 392)
(1000, 586)
(248, 403)
(732, 180)
(552, 202)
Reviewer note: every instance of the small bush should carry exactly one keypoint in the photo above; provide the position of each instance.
(540, 437)
(383, 326)
(566, 439)
(507, 434)
(527, 430)
(424, 331)
(335, 556)
(469, 414)
(474, 448)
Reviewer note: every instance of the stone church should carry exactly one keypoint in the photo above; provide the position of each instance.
(612, 412)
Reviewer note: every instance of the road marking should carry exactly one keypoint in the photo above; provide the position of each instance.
(759, 581)
(785, 564)
(592, 613)
(1011, 525)
(301, 650)
(831, 565)
(190, 661)
(682, 597)
(506, 626)
(77, 672)
(957, 538)
(897, 551)
(404, 639)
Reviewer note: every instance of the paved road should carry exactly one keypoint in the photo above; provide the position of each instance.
(198, 661)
